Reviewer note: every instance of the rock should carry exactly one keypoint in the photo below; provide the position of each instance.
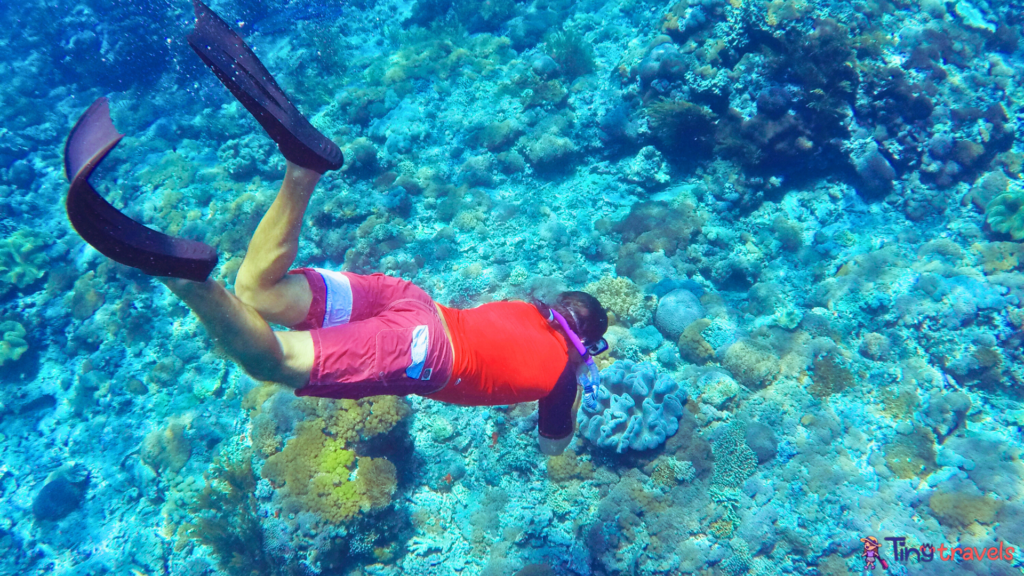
(58, 498)
(545, 66)
(875, 172)
(762, 441)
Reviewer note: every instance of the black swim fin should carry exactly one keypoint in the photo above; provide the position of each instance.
(109, 231)
(242, 72)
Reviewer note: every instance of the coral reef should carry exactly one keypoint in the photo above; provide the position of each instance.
(803, 218)
(637, 408)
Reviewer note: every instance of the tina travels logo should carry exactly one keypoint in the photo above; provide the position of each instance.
(899, 551)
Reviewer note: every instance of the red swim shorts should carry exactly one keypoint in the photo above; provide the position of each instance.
(373, 335)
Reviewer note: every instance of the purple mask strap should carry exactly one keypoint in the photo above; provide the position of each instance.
(589, 387)
(572, 335)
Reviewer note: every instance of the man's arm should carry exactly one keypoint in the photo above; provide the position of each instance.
(557, 413)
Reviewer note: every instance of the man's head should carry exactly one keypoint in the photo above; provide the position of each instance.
(585, 315)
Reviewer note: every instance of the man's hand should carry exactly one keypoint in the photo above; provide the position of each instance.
(555, 447)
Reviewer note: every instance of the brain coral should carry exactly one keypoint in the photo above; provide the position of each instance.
(12, 341)
(1004, 214)
(637, 408)
(677, 310)
(752, 363)
(22, 259)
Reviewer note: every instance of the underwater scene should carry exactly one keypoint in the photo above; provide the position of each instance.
(804, 222)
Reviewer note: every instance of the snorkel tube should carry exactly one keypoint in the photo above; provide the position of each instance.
(589, 384)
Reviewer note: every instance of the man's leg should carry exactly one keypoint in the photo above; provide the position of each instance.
(263, 281)
(284, 357)
(265, 293)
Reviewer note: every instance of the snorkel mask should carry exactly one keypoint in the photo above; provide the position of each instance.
(587, 352)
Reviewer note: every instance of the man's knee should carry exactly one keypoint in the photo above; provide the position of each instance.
(264, 367)
(291, 366)
(248, 291)
(265, 300)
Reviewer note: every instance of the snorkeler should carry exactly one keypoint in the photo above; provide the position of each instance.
(352, 336)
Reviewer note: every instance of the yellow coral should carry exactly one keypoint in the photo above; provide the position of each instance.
(376, 479)
(785, 11)
(899, 403)
(264, 435)
(752, 363)
(912, 455)
(567, 467)
(255, 398)
(316, 467)
(168, 449)
(621, 297)
(668, 471)
(383, 412)
(313, 467)
(960, 510)
(999, 256)
(692, 345)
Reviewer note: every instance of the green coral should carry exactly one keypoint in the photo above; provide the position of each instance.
(440, 429)
(574, 55)
(1004, 214)
(12, 344)
(734, 460)
(223, 515)
(682, 129)
(22, 259)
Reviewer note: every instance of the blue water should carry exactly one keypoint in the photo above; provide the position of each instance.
(805, 220)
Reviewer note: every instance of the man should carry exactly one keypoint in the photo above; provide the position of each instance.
(353, 336)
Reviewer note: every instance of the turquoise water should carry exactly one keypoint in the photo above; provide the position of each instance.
(804, 218)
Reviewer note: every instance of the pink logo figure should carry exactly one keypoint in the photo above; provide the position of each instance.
(871, 547)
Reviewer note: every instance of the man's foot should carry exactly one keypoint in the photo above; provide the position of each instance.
(108, 230)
